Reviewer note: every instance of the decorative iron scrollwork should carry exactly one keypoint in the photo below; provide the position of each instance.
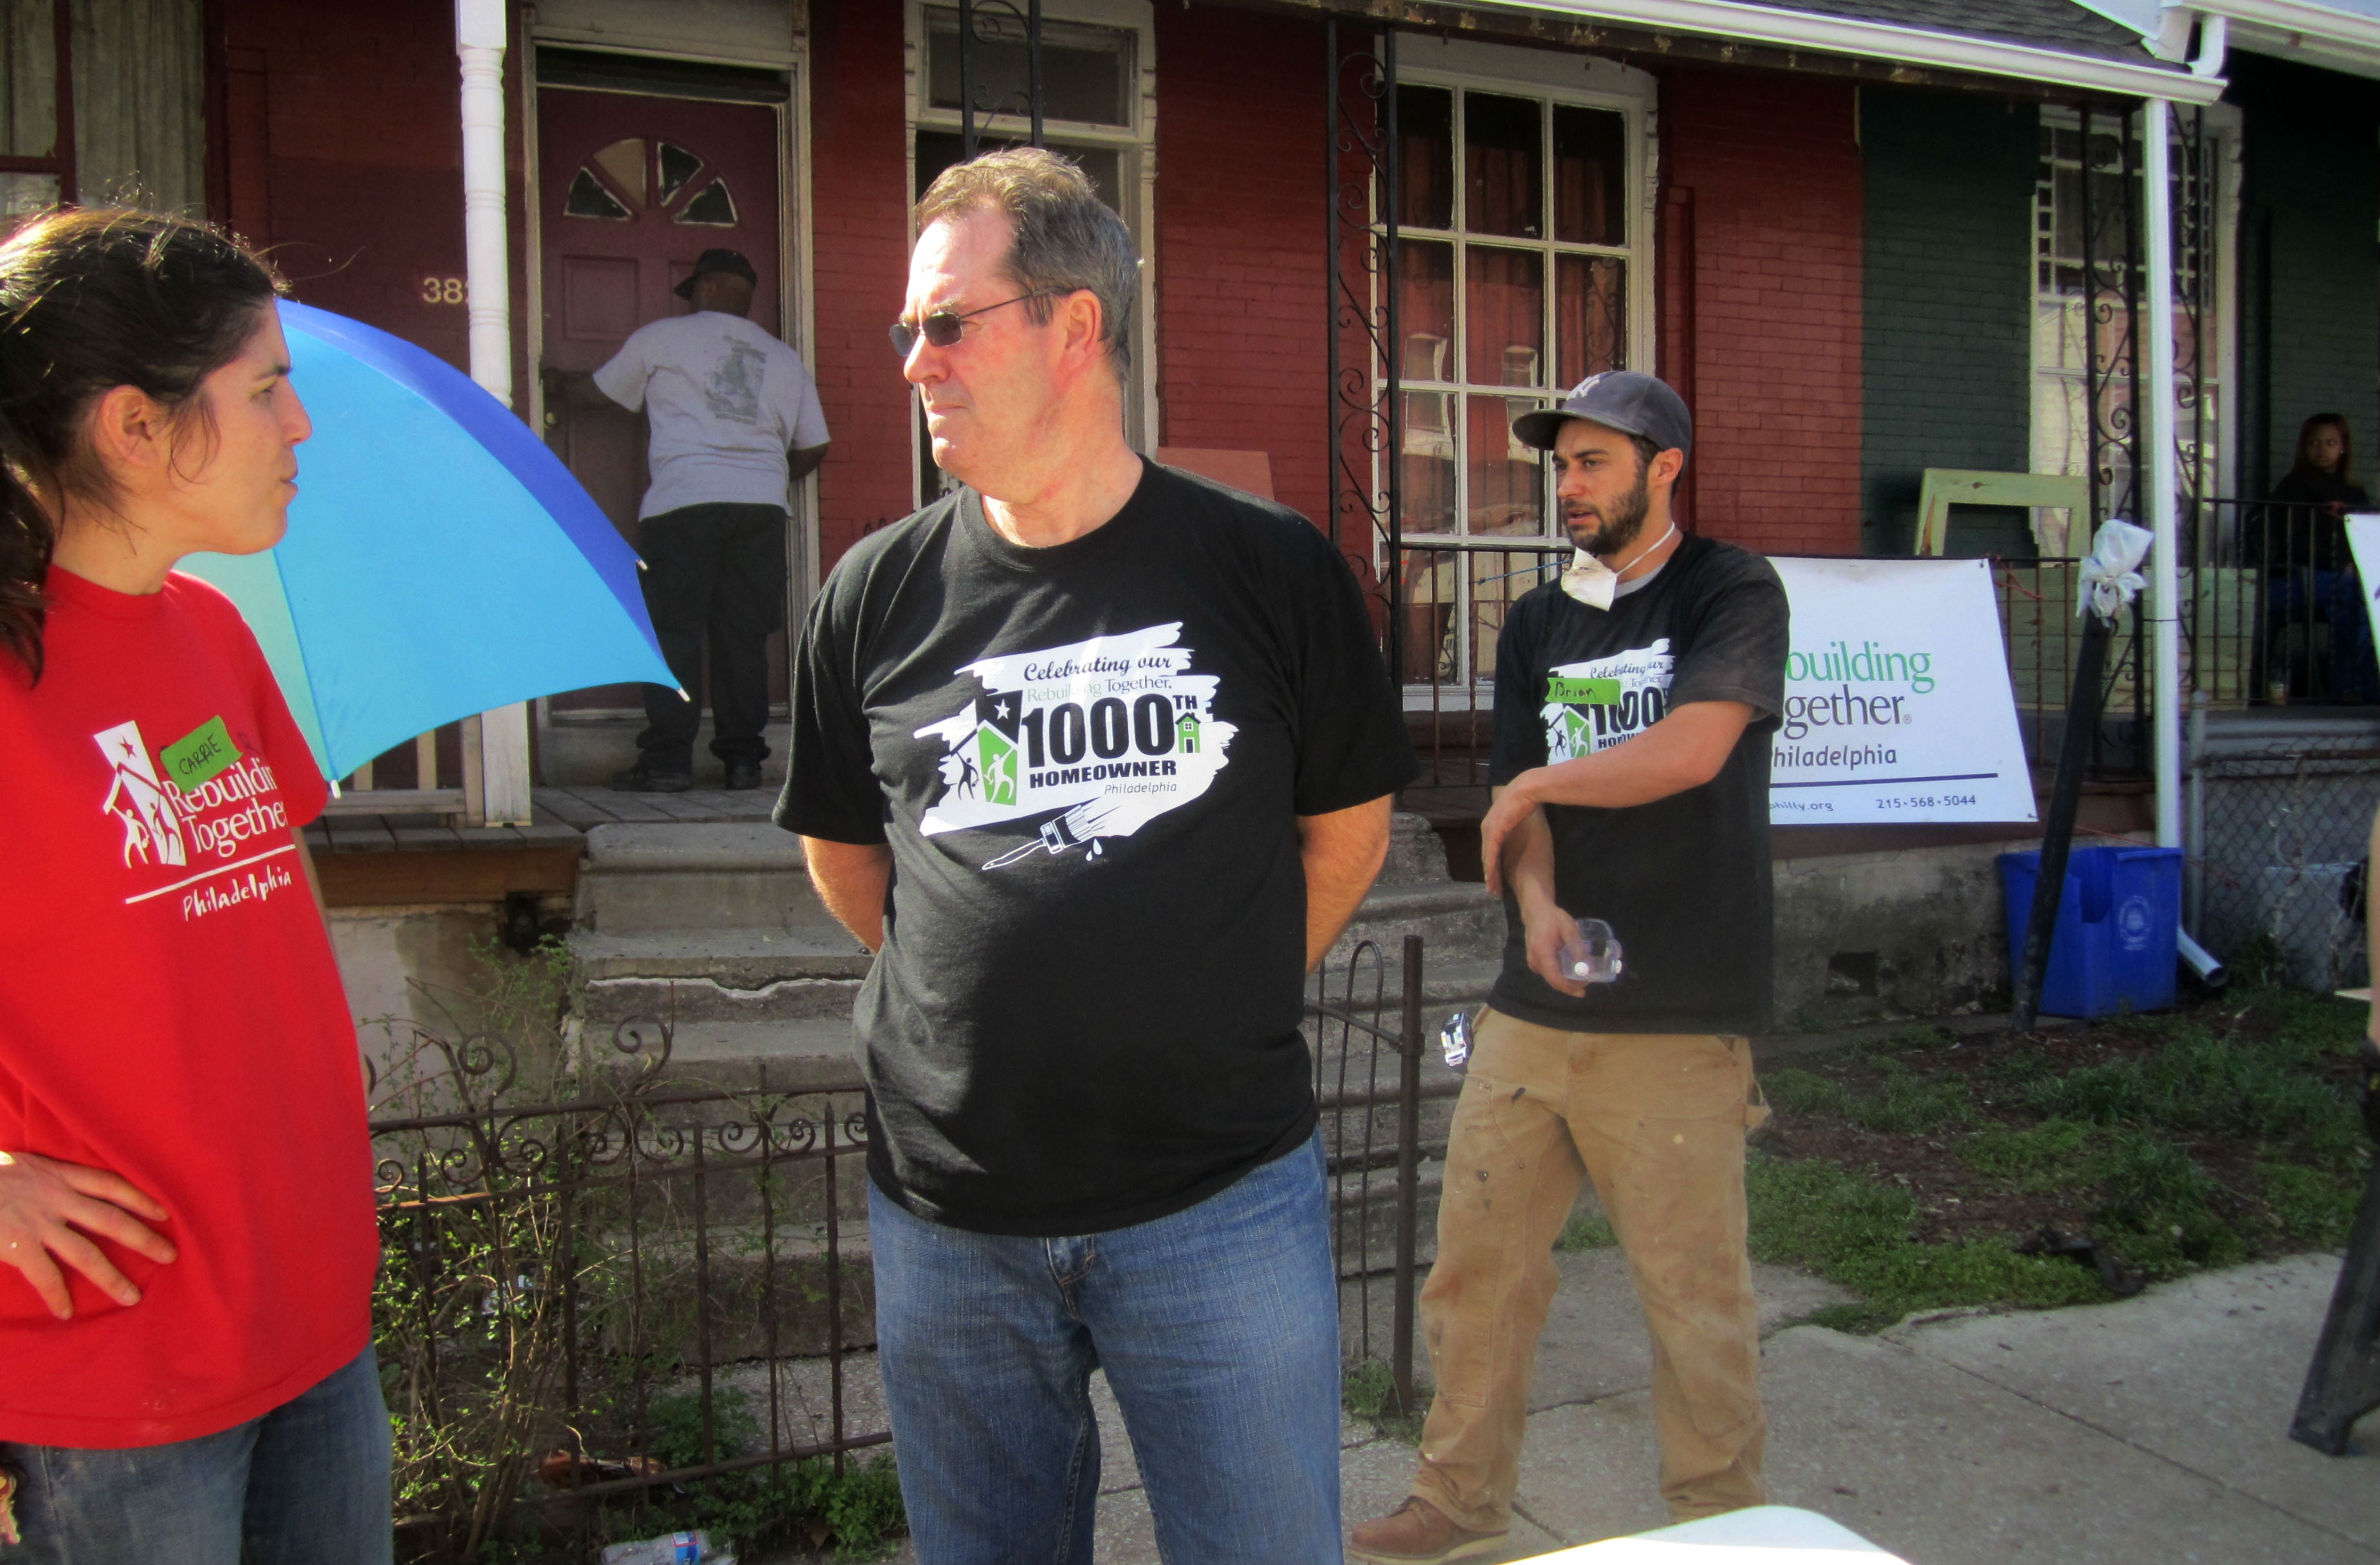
(1366, 412)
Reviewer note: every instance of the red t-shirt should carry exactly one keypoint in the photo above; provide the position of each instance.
(170, 1010)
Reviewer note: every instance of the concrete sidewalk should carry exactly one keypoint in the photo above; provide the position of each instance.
(2151, 1430)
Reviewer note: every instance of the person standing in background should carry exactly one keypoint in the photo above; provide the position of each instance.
(735, 419)
(1634, 701)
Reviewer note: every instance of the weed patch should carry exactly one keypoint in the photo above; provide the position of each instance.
(1586, 1231)
(1857, 1232)
(1910, 1169)
(1369, 1389)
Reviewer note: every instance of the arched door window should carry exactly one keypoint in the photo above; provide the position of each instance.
(633, 177)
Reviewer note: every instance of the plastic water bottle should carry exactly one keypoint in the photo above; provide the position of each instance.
(1592, 956)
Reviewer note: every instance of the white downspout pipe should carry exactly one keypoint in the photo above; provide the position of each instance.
(496, 782)
(2158, 430)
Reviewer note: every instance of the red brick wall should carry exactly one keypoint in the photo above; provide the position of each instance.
(1771, 169)
(1239, 273)
(860, 216)
(345, 149)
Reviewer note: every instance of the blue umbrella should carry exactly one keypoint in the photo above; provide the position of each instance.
(440, 560)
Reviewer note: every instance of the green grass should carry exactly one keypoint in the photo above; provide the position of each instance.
(1586, 1231)
(2040, 1157)
(2311, 1207)
(1906, 1102)
(2119, 1136)
(1369, 1389)
(1910, 1104)
(1857, 1232)
(1794, 1091)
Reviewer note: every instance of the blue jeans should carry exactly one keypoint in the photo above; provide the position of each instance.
(1219, 1331)
(2336, 599)
(305, 1485)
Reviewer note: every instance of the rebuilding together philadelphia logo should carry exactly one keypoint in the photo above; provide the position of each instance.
(1855, 688)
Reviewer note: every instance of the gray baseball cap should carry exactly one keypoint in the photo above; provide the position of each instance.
(1621, 399)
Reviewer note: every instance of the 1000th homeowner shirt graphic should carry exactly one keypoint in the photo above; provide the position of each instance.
(1112, 731)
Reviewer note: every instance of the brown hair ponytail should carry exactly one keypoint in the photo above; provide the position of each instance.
(90, 300)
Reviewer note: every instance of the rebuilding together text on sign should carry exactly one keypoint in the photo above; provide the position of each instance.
(1898, 704)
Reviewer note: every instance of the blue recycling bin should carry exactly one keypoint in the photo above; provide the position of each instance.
(2115, 947)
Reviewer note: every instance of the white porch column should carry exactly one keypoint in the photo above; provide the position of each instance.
(2156, 406)
(502, 769)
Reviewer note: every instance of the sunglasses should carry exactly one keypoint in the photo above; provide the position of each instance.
(942, 328)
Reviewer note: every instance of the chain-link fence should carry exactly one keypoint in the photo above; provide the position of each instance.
(2277, 880)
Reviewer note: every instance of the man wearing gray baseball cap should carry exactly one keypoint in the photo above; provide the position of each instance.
(1634, 700)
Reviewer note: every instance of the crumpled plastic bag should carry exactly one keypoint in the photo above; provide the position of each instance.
(2111, 576)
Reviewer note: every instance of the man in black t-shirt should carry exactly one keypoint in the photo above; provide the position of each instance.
(1634, 701)
(1097, 758)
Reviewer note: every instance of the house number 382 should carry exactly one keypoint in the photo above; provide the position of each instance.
(444, 290)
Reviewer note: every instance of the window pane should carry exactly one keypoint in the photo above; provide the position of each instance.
(938, 150)
(1425, 145)
(714, 208)
(23, 194)
(587, 198)
(1503, 175)
(625, 162)
(1083, 70)
(1427, 469)
(28, 97)
(678, 166)
(1590, 315)
(1426, 309)
(1590, 176)
(1507, 482)
(1504, 316)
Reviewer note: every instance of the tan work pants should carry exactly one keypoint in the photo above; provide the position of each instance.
(1657, 1122)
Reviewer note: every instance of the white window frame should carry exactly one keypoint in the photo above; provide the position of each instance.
(1134, 143)
(1571, 81)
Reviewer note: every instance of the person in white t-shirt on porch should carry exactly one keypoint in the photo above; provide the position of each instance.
(735, 419)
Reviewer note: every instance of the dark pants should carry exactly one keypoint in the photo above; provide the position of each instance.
(721, 569)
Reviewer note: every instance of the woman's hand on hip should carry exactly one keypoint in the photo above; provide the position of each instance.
(48, 1209)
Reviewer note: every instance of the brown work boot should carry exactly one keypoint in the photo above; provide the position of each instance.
(1418, 1533)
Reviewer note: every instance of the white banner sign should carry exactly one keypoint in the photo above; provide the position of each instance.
(2364, 542)
(1897, 699)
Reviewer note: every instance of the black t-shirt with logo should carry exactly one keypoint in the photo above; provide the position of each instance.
(1088, 761)
(1683, 882)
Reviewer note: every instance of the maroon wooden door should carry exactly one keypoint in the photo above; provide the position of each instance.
(631, 190)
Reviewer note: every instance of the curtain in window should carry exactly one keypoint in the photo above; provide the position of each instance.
(139, 116)
(139, 84)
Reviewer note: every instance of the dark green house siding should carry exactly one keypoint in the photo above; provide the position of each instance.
(2310, 265)
(1947, 299)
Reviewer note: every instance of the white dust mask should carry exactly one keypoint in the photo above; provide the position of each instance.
(1589, 581)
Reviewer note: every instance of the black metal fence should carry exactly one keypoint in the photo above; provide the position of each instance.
(1456, 597)
(2273, 611)
(587, 1303)
(602, 1285)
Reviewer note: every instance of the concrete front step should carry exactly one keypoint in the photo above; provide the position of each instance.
(1456, 919)
(733, 958)
(706, 999)
(697, 874)
(798, 1054)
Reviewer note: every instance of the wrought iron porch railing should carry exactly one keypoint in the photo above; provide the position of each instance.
(2274, 613)
(1455, 595)
(605, 1284)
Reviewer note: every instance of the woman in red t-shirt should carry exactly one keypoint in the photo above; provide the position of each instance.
(186, 1205)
